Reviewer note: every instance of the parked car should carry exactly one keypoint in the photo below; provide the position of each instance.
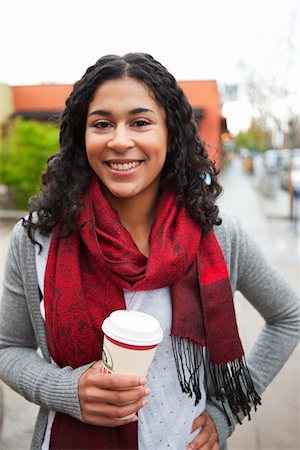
(267, 171)
(284, 156)
(271, 161)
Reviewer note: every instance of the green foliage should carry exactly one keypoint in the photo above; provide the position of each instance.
(257, 137)
(23, 155)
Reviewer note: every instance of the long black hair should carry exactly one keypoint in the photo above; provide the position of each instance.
(68, 171)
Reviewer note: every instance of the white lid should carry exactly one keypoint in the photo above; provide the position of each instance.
(133, 327)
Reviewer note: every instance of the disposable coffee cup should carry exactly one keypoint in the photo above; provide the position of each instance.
(130, 341)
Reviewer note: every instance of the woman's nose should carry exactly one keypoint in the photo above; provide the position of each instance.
(120, 139)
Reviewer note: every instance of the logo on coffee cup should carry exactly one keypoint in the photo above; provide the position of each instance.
(107, 359)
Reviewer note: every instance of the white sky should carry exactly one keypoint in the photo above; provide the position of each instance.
(55, 41)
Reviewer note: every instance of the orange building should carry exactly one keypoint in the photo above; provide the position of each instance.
(205, 99)
(42, 102)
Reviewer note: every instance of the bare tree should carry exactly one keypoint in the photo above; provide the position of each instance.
(273, 91)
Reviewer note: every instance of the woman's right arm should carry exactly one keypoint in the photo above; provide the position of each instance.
(21, 366)
(22, 331)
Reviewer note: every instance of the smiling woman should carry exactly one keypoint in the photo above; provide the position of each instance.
(127, 219)
(126, 143)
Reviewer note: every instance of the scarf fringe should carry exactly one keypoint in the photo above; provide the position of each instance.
(229, 383)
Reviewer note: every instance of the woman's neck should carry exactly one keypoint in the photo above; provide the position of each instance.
(137, 216)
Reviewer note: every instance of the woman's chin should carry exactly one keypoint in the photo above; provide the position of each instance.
(121, 194)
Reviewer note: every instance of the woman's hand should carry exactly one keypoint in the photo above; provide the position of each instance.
(106, 398)
(207, 438)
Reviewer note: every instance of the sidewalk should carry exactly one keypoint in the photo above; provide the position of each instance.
(276, 425)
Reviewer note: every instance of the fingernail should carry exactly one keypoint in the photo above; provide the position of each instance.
(147, 391)
(143, 380)
(144, 402)
(134, 419)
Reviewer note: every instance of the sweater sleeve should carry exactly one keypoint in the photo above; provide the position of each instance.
(264, 287)
(21, 365)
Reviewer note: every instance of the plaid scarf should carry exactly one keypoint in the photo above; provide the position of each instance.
(85, 276)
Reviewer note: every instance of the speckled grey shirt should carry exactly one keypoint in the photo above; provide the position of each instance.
(22, 328)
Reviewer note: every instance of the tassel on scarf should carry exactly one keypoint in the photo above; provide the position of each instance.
(229, 382)
(188, 358)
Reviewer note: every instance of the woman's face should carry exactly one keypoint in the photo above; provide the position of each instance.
(126, 138)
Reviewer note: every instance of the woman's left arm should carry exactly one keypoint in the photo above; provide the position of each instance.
(264, 287)
(268, 292)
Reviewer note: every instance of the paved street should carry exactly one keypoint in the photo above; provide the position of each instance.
(276, 425)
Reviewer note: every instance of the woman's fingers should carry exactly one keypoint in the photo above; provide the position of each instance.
(94, 412)
(111, 422)
(198, 422)
(207, 438)
(110, 388)
(94, 394)
(94, 375)
(204, 441)
(118, 381)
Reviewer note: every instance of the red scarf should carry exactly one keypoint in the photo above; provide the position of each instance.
(85, 276)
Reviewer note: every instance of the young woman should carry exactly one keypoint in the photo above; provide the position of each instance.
(127, 219)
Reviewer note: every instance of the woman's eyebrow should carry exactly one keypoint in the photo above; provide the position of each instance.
(103, 112)
(140, 110)
(100, 112)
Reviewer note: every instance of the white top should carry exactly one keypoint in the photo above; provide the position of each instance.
(166, 420)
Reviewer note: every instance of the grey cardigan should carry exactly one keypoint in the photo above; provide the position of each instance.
(22, 329)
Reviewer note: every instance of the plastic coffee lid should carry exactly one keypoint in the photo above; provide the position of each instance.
(133, 327)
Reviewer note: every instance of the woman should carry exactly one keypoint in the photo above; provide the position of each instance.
(127, 219)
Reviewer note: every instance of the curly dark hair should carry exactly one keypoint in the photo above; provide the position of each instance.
(68, 172)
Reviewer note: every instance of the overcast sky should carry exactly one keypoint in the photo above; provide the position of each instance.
(55, 41)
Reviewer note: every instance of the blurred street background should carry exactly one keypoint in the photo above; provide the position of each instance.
(276, 424)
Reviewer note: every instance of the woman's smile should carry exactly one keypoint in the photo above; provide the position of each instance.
(121, 167)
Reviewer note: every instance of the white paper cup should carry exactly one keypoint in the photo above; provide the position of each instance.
(130, 342)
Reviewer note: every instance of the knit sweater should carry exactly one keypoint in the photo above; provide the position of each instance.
(22, 331)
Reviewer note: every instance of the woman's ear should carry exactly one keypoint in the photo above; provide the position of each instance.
(206, 178)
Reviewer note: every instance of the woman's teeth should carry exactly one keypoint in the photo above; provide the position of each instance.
(125, 166)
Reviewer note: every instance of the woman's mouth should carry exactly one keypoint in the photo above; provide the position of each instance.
(123, 167)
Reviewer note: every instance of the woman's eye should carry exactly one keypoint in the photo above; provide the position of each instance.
(102, 125)
(140, 123)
